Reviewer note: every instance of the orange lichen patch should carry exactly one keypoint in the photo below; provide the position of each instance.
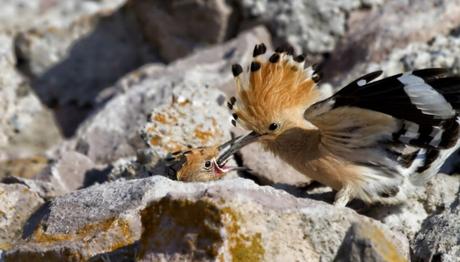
(126, 235)
(23, 167)
(381, 244)
(204, 221)
(116, 233)
(203, 135)
(242, 247)
(160, 118)
(5, 245)
(184, 218)
(155, 140)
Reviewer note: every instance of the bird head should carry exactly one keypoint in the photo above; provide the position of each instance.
(200, 164)
(272, 95)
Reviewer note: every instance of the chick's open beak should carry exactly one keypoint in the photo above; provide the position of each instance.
(228, 149)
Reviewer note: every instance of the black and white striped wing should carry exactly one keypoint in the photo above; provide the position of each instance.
(423, 103)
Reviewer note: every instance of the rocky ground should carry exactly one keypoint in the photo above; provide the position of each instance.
(85, 83)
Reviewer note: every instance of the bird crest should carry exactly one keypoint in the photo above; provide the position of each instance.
(281, 84)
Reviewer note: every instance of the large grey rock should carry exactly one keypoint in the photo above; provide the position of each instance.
(160, 219)
(197, 117)
(366, 243)
(313, 26)
(112, 132)
(408, 218)
(177, 28)
(19, 15)
(374, 35)
(439, 238)
(72, 171)
(46, 190)
(70, 63)
(441, 51)
(23, 167)
(27, 128)
(17, 203)
(73, 62)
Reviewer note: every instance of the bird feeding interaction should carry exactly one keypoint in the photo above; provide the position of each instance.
(200, 164)
(372, 140)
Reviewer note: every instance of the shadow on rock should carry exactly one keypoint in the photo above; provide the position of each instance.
(96, 176)
(93, 53)
(35, 219)
(127, 254)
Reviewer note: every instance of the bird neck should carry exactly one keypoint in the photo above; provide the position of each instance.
(296, 145)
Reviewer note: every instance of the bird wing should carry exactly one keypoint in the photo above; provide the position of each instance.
(404, 121)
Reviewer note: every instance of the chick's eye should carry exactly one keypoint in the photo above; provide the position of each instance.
(207, 163)
(273, 126)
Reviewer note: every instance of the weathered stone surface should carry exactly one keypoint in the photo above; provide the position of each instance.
(437, 195)
(195, 117)
(70, 172)
(439, 238)
(365, 242)
(23, 167)
(313, 26)
(157, 218)
(72, 63)
(177, 28)
(17, 203)
(20, 15)
(112, 132)
(442, 51)
(373, 35)
(44, 189)
(69, 64)
(26, 127)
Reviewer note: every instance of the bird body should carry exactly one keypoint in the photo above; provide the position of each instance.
(369, 140)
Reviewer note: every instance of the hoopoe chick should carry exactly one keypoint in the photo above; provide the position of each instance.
(200, 164)
(370, 140)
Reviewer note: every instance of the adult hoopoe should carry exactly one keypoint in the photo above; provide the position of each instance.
(366, 141)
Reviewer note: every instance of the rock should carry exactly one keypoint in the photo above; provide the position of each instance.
(27, 128)
(71, 63)
(373, 35)
(312, 26)
(44, 189)
(17, 203)
(365, 242)
(25, 167)
(175, 28)
(442, 51)
(196, 117)
(437, 195)
(19, 15)
(80, 55)
(112, 132)
(72, 171)
(228, 219)
(438, 240)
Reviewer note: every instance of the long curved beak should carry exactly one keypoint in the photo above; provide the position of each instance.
(228, 149)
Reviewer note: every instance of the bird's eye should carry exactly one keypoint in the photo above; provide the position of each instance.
(273, 126)
(207, 164)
